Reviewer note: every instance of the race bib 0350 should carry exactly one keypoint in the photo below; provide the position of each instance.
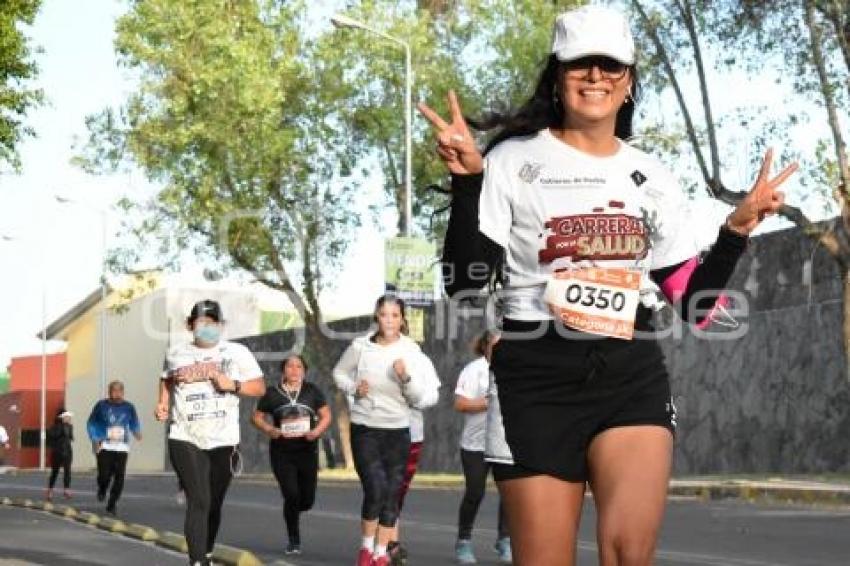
(595, 300)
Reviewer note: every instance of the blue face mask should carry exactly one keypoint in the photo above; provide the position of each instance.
(209, 334)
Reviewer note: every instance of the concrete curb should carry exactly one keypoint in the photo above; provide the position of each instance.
(141, 532)
(234, 556)
(223, 554)
(173, 541)
(64, 511)
(769, 492)
(112, 525)
(87, 518)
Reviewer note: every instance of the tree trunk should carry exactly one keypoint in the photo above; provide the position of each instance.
(320, 350)
(846, 322)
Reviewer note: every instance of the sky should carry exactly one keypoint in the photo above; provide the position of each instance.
(56, 250)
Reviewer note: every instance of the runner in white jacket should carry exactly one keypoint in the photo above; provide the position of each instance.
(387, 374)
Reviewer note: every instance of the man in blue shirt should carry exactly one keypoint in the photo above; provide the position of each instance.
(110, 424)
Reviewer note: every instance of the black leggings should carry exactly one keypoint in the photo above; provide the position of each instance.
(64, 462)
(475, 470)
(111, 465)
(296, 473)
(205, 475)
(380, 458)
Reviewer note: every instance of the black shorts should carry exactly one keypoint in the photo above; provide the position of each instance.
(557, 393)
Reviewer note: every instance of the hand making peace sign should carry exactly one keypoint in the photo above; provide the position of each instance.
(763, 199)
(455, 144)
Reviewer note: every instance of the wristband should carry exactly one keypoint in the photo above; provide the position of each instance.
(236, 387)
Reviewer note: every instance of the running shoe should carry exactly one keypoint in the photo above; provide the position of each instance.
(463, 552)
(381, 560)
(101, 494)
(111, 510)
(503, 549)
(293, 548)
(397, 553)
(66, 494)
(49, 495)
(364, 557)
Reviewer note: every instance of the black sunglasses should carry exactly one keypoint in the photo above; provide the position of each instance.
(608, 67)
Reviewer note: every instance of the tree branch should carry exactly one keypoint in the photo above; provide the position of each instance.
(686, 11)
(652, 31)
(816, 39)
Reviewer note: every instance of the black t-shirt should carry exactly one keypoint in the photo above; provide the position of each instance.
(293, 411)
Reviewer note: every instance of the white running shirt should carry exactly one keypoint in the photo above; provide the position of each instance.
(553, 207)
(200, 414)
(472, 383)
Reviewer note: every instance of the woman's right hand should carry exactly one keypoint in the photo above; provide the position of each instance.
(455, 144)
(362, 389)
(161, 412)
(274, 433)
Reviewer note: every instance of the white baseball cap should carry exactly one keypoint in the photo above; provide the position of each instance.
(593, 30)
(64, 414)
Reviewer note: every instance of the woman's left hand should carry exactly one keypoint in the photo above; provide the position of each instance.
(400, 369)
(221, 382)
(763, 199)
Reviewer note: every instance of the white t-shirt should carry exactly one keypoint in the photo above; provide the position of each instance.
(4, 436)
(553, 207)
(472, 383)
(200, 414)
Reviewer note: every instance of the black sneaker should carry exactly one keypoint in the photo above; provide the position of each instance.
(111, 510)
(101, 495)
(293, 548)
(397, 554)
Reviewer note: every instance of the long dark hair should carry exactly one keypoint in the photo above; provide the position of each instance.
(544, 110)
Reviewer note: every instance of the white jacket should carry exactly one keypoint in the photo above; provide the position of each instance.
(389, 403)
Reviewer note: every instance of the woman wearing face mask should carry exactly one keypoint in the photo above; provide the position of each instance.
(300, 416)
(386, 373)
(585, 226)
(200, 388)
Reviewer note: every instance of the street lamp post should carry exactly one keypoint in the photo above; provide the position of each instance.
(341, 21)
(102, 315)
(42, 436)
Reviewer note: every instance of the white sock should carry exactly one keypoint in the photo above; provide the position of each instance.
(369, 543)
(380, 550)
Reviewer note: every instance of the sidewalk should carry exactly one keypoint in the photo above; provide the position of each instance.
(37, 538)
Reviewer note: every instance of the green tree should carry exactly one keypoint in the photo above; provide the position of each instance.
(236, 118)
(489, 51)
(16, 69)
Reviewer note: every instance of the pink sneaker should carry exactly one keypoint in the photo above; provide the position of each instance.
(364, 557)
(381, 561)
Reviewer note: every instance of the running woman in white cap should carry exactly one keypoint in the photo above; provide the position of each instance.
(580, 227)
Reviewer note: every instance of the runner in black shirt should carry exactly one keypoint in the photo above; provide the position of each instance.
(300, 415)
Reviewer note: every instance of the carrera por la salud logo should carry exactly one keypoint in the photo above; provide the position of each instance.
(600, 235)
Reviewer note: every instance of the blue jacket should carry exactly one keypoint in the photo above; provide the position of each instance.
(106, 414)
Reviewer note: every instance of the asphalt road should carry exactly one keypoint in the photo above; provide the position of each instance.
(727, 533)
